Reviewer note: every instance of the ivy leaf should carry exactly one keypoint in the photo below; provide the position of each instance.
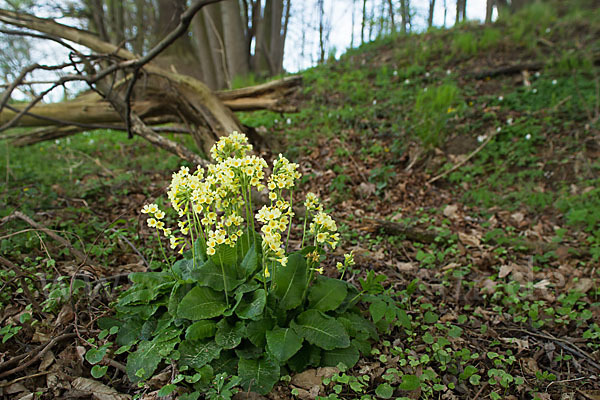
(410, 382)
(321, 330)
(254, 306)
(166, 390)
(216, 277)
(283, 343)
(99, 371)
(327, 294)
(197, 354)
(290, 281)
(200, 330)
(258, 375)
(384, 390)
(201, 303)
(348, 356)
(229, 336)
(94, 356)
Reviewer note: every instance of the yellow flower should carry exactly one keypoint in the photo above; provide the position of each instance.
(151, 222)
(159, 214)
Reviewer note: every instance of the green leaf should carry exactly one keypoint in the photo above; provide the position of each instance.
(196, 354)
(166, 390)
(410, 382)
(360, 327)
(385, 391)
(256, 331)
(150, 279)
(258, 375)
(216, 277)
(147, 357)
(377, 310)
(283, 343)
(229, 336)
(201, 303)
(430, 317)
(94, 356)
(177, 294)
(183, 269)
(404, 319)
(250, 262)
(137, 297)
(290, 282)
(308, 355)
(327, 294)
(200, 330)
(226, 363)
(253, 307)
(348, 356)
(99, 371)
(321, 330)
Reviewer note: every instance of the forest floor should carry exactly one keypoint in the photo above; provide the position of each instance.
(472, 187)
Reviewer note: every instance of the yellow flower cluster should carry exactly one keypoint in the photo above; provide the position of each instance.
(312, 202)
(348, 261)
(284, 174)
(275, 220)
(232, 146)
(156, 216)
(323, 228)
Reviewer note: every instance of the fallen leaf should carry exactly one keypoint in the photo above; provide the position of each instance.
(469, 239)
(47, 360)
(505, 270)
(99, 391)
(307, 379)
(450, 211)
(366, 189)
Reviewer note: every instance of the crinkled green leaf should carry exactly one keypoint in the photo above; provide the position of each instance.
(253, 306)
(249, 264)
(258, 375)
(200, 330)
(256, 331)
(410, 382)
(283, 343)
(360, 327)
(321, 330)
(229, 336)
(147, 357)
(290, 281)
(216, 277)
(327, 294)
(201, 303)
(196, 354)
(348, 356)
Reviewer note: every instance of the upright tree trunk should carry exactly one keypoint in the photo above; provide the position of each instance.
(445, 12)
(489, 8)
(364, 20)
(430, 17)
(320, 5)
(404, 13)
(276, 41)
(464, 10)
(391, 9)
(234, 39)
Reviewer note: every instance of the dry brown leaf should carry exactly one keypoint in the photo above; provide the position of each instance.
(47, 360)
(505, 270)
(470, 239)
(307, 379)
(450, 211)
(99, 391)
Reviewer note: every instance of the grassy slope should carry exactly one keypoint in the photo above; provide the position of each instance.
(514, 260)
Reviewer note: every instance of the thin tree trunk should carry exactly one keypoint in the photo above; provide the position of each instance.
(364, 19)
(234, 39)
(320, 4)
(403, 12)
(464, 10)
(430, 17)
(352, 34)
(276, 42)
(489, 8)
(391, 9)
(445, 12)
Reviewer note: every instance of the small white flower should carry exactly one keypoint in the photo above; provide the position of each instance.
(395, 73)
(92, 141)
(481, 138)
(500, 98)
(509, 121)
(537, 74)
(534, 90)
(528, 136)
(554, 81)
(427, 74)
(448, 72)
(276, 121)
(498, 129)
(57, 141)
(288, 121)
(425, 89)
(547, 30)
(406, 81)
(374, 102)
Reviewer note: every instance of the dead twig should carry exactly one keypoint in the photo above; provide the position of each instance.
(40, 350)
(463, 162)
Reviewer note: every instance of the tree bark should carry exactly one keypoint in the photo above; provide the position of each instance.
(430, 17)
(489, 8)
(391, 10)
(364, 19)
(234, 39)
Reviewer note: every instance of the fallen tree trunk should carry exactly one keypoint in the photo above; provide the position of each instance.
(92, 109)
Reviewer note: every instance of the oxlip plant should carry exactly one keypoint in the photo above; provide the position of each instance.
(238, 304)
